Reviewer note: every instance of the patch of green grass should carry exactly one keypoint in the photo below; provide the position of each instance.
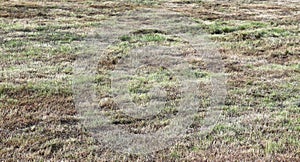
(151, 37)
(170, 110)
(68, 25)
(159, 75)
(233, 111)
(266, 94)
(139, 85)
(222, 128)
(294, 109)
(174, 154)
(14, 43)
(273, 147)
(263, 33)
(141, 98)
(63, 49)
(61, 37)
(43, 88)
(143, 83)
(131, 41)
(8, 26)
(31, 50)
(222, 27)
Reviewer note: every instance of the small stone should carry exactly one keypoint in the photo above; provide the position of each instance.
(32, 128)
(106, 103)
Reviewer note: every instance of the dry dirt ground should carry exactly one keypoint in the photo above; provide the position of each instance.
(259, 45)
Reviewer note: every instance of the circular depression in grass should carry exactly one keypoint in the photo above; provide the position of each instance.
(149, 65)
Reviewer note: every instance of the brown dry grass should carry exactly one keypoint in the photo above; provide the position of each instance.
(261, 119)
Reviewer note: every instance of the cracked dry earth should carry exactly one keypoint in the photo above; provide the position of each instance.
(258, 43)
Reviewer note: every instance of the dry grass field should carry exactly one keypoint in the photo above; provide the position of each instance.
(259, 44)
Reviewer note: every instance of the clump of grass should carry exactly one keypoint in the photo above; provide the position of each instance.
(14, 43)
(273, 147)
(152, 37)
(223, 27)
